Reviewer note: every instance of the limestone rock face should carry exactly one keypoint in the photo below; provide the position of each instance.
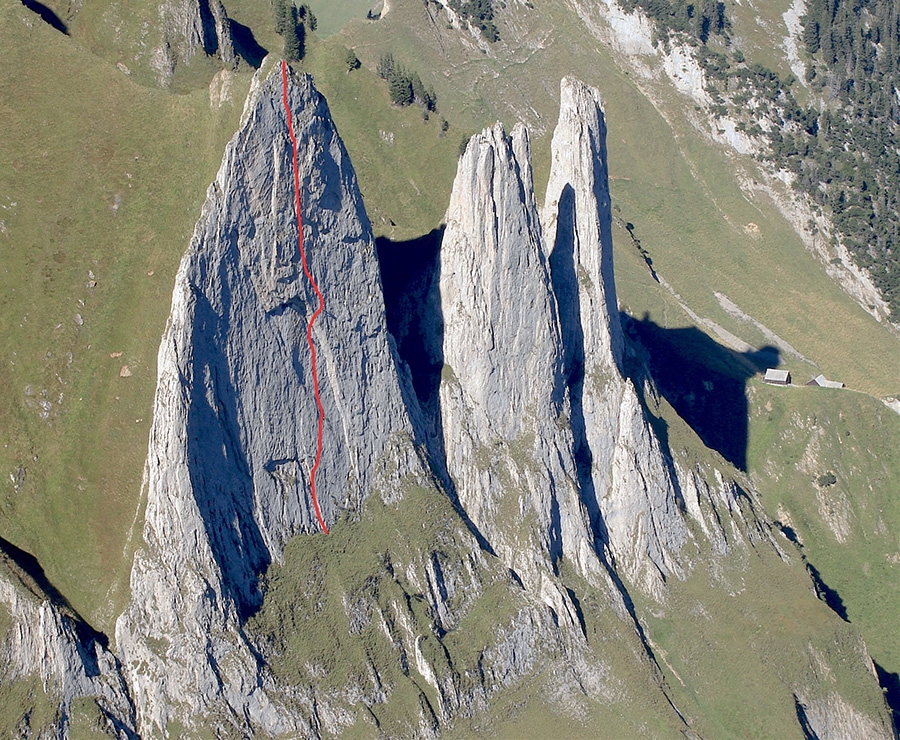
(630, 485)
(187, 28)
(546, 428)
(831, 717)
(534, 398)
(578, 228)
(235, 417)
(503, 400)
(48, 640)
(467, 530)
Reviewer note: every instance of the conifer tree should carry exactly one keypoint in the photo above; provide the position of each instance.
(294, 38)
(282, 15)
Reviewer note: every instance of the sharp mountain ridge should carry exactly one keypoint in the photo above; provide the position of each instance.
(519, 521)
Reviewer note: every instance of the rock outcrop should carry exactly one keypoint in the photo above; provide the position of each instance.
(47, 639)
(235, 418)
(540, 424)
(504, 406)
(628, 481)
(188, 28)
(511, 537)
(164, 42)
(546, 431)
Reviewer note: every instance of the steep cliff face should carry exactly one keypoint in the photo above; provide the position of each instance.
(235, 420)
(190, 27)
(537, 414)
(503, 400)
(630, 483)
(45, 638)
(522, 553)
(233, 440)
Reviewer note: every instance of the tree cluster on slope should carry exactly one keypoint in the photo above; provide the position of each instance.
(697, 21)
(291, 23)
(351, 60)
(843, 148)
(405, 86)
(480, 13)
(853, 169)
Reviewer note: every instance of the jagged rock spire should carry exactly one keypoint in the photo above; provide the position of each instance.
(503, 402)
(627, 481)
(235, 419)
(578, 225)
(537, 414)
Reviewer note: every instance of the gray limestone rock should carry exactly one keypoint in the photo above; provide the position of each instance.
(188, 28)
(540, 425)
(49, 640)
(235, 418)
(503, 404)
(627, 479)
(541, 440)
(831, 717)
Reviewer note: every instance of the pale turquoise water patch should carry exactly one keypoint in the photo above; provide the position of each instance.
(333, 15)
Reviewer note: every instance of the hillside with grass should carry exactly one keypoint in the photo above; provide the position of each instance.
(103, 174)
(695, 209)
(100, 194)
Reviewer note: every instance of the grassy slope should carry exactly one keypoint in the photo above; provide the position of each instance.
(110, 180)
(75, 508)
(333, 15)
(374, 568)
(744, 635)
(849, 530)
(305, 618)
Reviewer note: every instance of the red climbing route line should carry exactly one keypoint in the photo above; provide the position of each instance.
(309, 326)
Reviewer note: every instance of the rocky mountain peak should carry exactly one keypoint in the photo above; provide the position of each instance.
(578, 221)
(235, 418)
(503, 393)
(537, 414)
(517, 525)
(187, 28)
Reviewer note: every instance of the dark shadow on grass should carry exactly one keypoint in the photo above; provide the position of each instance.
(890, 685)
(410, 277)
(47, 15)
(827, 594)
(31, 574)
(246, 46)
(704, 381)
(889, 682)
(823, 591)
(788, 532)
